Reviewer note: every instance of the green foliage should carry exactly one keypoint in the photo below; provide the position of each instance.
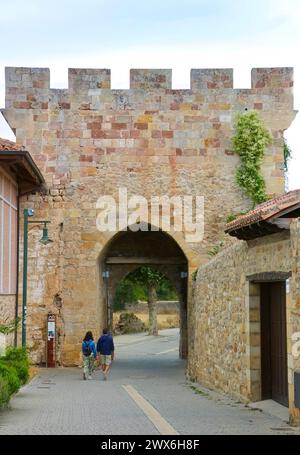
(4, 392)
(216, 249)
(166, 291)
(194, 275)
(234, 216)
(10, 327)
(199, 391)
(134, 287)
(128, 292)
(250, 142)
(18, 359)
(22, 370)
(231, 217)
(9, 374)
(287, 154)
(146, 276)
(14, 371)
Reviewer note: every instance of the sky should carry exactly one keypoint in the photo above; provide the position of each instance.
(177, 34)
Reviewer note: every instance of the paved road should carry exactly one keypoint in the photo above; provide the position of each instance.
(59, 402)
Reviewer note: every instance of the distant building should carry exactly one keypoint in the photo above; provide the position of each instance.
(19, 175)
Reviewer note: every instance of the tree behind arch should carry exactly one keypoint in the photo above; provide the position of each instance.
(151, 279)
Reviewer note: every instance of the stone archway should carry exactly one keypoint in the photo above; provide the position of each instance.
(127, 251)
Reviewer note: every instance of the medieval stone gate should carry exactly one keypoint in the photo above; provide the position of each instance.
(129, 250)
(90, 140)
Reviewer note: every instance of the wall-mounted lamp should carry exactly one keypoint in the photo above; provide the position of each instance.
(44, 240)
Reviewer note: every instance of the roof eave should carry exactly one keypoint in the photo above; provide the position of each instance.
(24, 159)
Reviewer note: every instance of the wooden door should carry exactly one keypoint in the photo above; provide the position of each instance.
(273, 342)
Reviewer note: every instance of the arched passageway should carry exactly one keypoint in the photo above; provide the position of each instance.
(129, 250)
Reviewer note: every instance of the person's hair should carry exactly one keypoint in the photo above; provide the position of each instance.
(105, 331)
(88, 336)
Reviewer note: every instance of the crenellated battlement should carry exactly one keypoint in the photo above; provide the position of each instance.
(217, 79)
(81, 81)
(150, 79)
(76, 131)
(272, 78)
(90, 89)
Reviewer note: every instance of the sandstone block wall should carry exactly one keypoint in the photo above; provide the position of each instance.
(89, 140)
(7, 314)
(224, 321)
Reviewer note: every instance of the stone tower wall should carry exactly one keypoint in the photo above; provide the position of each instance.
(90, 140)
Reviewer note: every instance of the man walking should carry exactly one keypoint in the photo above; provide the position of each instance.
(105, 349)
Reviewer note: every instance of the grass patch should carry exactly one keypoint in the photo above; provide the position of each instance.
(4, 392)
(199, 391)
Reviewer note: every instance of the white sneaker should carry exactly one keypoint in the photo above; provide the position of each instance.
(90, 377)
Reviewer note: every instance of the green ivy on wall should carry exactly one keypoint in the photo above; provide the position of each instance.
(250, 141)
(233, 216)
(287, 154)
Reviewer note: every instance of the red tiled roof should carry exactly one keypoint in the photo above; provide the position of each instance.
(265, 211)
(5, 144)
(16, 159)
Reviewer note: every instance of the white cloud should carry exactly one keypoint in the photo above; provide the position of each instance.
(286, 10)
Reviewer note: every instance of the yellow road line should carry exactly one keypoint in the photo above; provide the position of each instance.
(158, 421)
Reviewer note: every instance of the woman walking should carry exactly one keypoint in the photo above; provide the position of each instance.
(89, 355)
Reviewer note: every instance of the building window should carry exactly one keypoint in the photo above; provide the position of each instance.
(8, 233)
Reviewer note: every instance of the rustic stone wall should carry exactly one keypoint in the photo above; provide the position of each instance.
(7, 308)
(224, 321)
(293, 318)
(7, 313)
(163, 307)
(89, 140)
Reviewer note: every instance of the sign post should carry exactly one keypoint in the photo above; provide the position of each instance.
(51, 330)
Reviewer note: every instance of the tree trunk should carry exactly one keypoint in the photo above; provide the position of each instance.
(152, 297)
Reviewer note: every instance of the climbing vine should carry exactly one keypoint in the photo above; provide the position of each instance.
(250, 142)
(10, 326)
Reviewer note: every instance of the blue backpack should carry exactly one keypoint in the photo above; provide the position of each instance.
(86, 348)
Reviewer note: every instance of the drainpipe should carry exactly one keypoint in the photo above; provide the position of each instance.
(17, 272)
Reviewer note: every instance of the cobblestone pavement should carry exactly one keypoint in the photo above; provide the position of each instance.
(58, 401)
